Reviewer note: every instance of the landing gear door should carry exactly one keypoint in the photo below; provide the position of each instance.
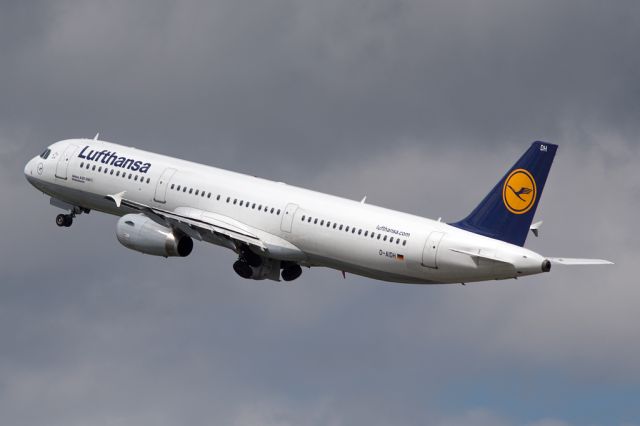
(63, 163)
(287, 217)
(430, 252)
(161, 188)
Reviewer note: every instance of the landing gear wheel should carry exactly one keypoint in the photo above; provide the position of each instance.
(65, 220)
(61, 219)
(243, 269)
(292, 272)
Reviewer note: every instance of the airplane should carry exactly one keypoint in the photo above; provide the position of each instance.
(276, 229)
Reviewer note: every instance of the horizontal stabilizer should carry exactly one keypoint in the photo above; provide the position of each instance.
(570, 261)
(535, 228)
(478, 255)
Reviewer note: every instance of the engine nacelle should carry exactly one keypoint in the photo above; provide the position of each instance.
(138, 232)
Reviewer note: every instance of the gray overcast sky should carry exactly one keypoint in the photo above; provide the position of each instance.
(420, 105)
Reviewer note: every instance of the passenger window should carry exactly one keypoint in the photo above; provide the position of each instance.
(197, 191)
(253, 206)
(218, 197)
(135, 178)
(340, 227)
(106, 170)
(259, 207)
(335, 225)
(100, 169)
(315, 222)
(346, 229)
(404, 243)
(111, 172)
(118, 173)
(93, 168)
(272, 210)
(303, 216)
(228, 199)
(148, 180)
(353, 230)
(359, 231)
(184, 189)
(309, 219)
(328, 224)
(278, 212)
(81, 164)
(241, 203)
(385, 238)
(190, 190)
(366, 233)
(130, 176)
(235, 201)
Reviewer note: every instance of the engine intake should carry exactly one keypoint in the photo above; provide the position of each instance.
(138, 232)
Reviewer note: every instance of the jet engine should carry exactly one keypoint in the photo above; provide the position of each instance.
(138, 232)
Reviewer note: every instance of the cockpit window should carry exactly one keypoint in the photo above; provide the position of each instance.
(45, 154)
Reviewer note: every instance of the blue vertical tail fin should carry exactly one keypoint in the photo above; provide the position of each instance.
(507, 211)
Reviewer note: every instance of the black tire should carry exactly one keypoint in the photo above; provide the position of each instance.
(292, 272)
(61, 220)
(243, 269)
(68, 220)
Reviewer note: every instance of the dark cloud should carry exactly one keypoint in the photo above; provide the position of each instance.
(357, 98)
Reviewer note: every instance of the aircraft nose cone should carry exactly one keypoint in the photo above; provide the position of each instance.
(28, 168)
(32, 169)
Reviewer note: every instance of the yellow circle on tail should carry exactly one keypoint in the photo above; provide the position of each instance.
(519, 191)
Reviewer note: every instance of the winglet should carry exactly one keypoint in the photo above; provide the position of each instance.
(116, 198)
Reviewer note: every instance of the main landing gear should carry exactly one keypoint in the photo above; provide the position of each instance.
(246, 260)
(291, 272)
(251, 265)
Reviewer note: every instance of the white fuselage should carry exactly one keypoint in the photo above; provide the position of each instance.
(331, 231)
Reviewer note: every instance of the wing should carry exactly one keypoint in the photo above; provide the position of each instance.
(213, 227)
(571, 261)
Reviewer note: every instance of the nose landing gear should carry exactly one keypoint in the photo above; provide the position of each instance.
(65, 220)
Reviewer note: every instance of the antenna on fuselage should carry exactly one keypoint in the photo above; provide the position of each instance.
(363, 199)
(95, 138)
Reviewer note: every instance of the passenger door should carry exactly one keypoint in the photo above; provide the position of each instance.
(430, 251)
(161, 187)
(287, 217)
(63, 163)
